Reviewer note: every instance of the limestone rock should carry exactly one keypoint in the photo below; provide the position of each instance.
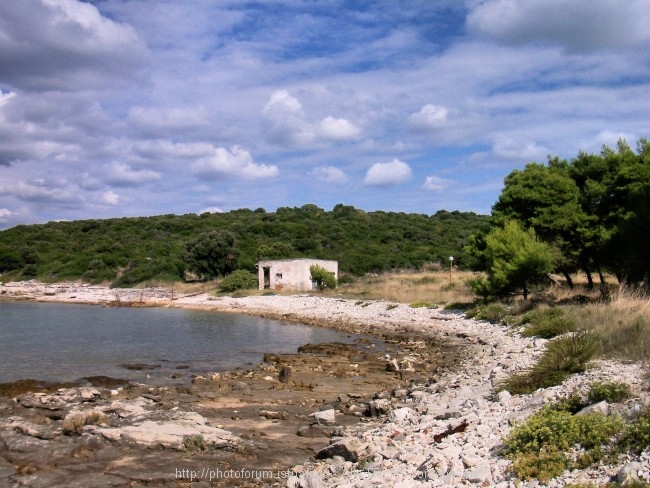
(600, 407)
(324, 417)
(171, 433)
(479, 474)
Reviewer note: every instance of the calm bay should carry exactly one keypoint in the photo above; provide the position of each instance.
(66, 342)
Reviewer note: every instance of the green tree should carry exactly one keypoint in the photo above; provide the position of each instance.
(322, 277)
(212, 254)
(515, 260)
(545, 198)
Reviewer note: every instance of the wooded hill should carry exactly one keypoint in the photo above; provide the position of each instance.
(127, 251)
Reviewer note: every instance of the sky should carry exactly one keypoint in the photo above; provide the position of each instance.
(116, 108)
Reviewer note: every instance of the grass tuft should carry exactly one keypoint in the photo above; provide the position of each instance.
(564, 356)
(546, 323)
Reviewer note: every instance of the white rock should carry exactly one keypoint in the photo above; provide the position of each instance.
(324, 417)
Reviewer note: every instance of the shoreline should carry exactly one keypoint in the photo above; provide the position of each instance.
(453, 388)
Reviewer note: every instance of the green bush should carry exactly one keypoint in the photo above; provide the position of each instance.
(494, 313)
(546, 323)
(538, 447)
(611, 392)
(637, 435)
(421, 304)
(239, 280)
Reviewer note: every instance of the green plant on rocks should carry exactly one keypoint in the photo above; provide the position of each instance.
(194, 444)
(494, 313)
(421, 304)
(637, 435)
(611, 392)
(540, 447)
(546, 323)
(564, 356)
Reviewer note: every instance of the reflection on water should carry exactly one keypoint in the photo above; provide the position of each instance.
(62, 342)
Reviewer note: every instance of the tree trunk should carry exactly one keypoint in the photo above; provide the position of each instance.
(590, 279)
(525, 291)
(600, 275)
(569, 281)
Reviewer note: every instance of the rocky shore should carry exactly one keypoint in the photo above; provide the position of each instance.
(414, 408)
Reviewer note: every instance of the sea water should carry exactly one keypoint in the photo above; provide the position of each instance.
(65, 342)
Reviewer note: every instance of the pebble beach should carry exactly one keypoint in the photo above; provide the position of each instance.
(442, 429)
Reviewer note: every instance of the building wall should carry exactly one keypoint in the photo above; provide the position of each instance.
(291, 274)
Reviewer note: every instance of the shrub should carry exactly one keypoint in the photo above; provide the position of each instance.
(239, 280)
(637, 435)
(421, 304)
(543, 465)
(494, 313)
(611, 392)
(547, 323)
(538, 447)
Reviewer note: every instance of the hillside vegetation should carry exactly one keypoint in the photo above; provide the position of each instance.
(127, 251)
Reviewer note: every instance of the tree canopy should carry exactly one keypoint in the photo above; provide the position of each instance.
(594, 209)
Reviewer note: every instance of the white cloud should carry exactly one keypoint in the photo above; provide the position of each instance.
(57, 44)
(388, 174)
(109, 198)
(121, 174)
(236, 162)
(338, 129)
(286, 124)
(429, 117)
(525, 151)
(4, 213)
(578, 25)
(437, 184)
(42, 191)
(211, 210)
(329, 174)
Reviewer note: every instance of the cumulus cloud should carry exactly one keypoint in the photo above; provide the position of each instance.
(579, 25)
(236, 162)
(338, 129)
(121, 174)
(437, 184)
(59, 44)
(429, 117)
(388, 174)
(329, 174)
(286, 124)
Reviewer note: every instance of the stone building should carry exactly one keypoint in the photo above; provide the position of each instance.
(291, 274)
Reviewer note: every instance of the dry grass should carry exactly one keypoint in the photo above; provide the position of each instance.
(622, 323)
(410, 287)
